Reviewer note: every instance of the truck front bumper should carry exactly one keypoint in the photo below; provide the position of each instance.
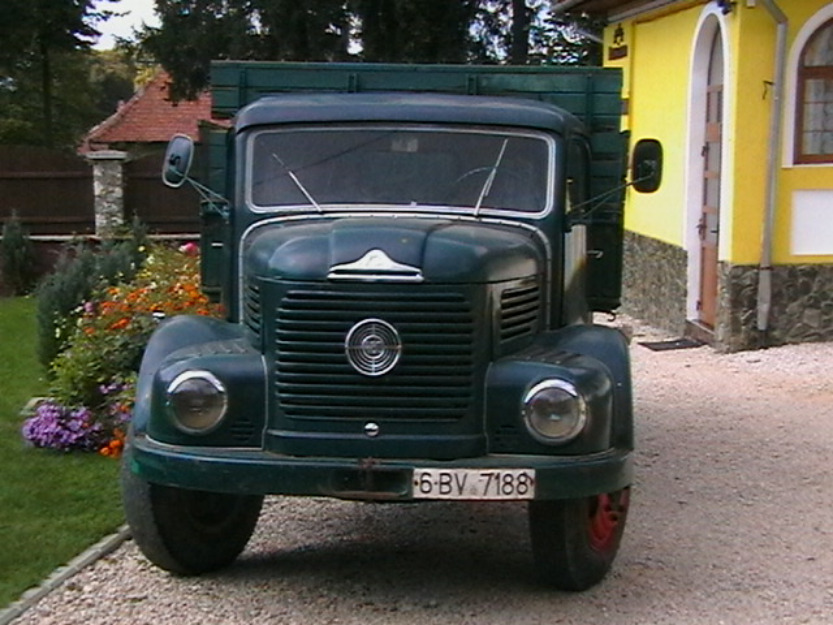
(254, 471)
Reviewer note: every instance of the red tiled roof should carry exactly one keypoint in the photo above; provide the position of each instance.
(150, 116)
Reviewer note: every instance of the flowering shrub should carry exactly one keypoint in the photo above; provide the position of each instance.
(96, 373)
(82, 270)
(66, 429)
(114, 328)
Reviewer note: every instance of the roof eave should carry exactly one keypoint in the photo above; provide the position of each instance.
(615, 10)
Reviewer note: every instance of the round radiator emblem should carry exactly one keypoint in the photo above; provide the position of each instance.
(373, 347)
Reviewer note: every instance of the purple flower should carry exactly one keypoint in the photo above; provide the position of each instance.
(66, 429)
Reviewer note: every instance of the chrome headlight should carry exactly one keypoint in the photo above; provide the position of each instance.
(198, 401)
(554, 411)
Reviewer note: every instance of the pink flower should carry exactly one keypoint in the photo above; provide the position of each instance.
(190, 249)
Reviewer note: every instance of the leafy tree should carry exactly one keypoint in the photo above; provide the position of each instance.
(422, 31)
(112, 77)
(524, 32)
(569, 39)
(87, 87)
(303, 31)
(194, 32)
(40, 39)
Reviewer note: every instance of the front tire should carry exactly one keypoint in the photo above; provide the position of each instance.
(185, 531)
(575, 541)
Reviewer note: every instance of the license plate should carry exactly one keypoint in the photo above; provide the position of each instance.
(481, 484)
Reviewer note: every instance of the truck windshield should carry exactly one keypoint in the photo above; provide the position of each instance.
(481, 169)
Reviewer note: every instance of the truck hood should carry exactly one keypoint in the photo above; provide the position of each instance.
(385, 248)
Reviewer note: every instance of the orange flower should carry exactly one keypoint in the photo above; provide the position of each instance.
(114, 448)
(120, 324)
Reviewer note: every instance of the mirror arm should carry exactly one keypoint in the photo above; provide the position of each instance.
(578, 215)
(214, 199)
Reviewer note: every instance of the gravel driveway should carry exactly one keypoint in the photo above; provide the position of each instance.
(731, 522)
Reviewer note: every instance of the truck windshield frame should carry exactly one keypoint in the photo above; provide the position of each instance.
(389, 167)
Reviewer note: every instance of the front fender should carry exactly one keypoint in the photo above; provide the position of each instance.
(595, 359)
(178, 339)
(610, 347)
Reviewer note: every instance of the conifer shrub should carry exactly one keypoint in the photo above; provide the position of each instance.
(17, 257)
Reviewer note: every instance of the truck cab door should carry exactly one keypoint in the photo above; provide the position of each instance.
(214, 212)
(604, 218)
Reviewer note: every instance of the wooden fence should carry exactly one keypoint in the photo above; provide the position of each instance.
(162, 209)
(52, 193)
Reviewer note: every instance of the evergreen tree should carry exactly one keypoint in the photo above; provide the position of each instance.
(192, 33)
(414, 31)
(41, 38)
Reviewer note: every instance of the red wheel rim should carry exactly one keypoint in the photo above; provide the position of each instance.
(606, 514)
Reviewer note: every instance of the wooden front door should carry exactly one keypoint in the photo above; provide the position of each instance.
(709, 224)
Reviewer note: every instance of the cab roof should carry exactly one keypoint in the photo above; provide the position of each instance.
(429, 108)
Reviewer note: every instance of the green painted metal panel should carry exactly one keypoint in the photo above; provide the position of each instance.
(235, 84)
(212, 155)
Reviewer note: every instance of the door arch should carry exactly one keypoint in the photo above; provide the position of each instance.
(706, 189)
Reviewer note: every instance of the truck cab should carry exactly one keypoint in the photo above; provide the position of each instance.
(409, 284)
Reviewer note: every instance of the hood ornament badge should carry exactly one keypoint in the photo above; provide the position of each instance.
(375, 265)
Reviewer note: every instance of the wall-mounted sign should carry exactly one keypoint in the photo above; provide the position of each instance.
(619, 49)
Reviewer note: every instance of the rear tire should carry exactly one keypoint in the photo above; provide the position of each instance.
(575, 541)
(187, 532)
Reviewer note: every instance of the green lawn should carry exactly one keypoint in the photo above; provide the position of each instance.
(52, 505)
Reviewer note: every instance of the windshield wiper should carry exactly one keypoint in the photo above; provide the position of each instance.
(487, 186)
(298, 183)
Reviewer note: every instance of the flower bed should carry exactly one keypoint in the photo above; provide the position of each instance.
(93, 379)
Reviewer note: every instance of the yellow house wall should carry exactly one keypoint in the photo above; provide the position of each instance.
(750, 80)
(794, 178)
(753, 74)
(657, 72)
(656, 86)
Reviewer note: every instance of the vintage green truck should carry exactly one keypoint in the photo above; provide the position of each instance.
(409, 258)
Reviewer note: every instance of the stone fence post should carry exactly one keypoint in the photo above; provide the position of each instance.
(108, 191)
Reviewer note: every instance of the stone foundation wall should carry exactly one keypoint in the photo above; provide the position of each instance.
(802, 306)
(654, 282)
(654, 290)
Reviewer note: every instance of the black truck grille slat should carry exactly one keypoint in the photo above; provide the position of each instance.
(434, 378)
(519, 312)
(252, 314)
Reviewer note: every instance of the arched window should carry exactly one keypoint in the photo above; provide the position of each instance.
(814, 123)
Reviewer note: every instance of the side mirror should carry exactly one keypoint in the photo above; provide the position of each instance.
(646, 165)
(177, 161)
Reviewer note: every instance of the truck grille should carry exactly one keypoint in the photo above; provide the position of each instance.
(434, 378)
(519, 312)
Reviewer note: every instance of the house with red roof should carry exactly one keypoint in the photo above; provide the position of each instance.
(126, 152)
(149, 118)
